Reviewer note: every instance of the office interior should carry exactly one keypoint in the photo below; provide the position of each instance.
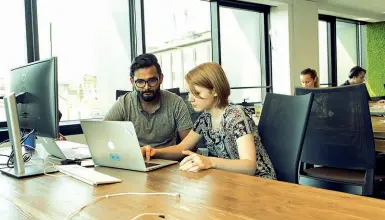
(262, 45)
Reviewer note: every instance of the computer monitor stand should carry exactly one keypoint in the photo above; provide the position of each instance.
(19, 170)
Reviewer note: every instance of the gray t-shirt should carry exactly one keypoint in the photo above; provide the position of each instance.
(158, 129)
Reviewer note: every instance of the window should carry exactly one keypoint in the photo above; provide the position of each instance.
(179, 35)
(324, 68)
(243, 61)
(347, 49)
(13, 51)
(339, 49)
(92, 42)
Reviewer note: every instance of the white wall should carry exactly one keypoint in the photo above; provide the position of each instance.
(304, 48)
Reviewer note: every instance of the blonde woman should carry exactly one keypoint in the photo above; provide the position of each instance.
(309, 78)
(231, 135)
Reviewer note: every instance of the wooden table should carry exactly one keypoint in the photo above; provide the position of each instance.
(210, 194)
(378, 124)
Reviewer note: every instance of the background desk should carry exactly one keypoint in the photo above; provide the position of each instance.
(378, 124)
(210, 194)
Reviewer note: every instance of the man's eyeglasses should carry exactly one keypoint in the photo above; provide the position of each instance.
(151, 82)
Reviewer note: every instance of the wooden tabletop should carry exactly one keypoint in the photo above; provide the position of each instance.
(210, 194)
(378, 124)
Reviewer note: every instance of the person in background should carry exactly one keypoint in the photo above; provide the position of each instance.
(309, 78)
(231, 135)
(158, 115)
(357, 76)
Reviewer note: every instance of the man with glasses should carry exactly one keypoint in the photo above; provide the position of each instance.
(158, 115)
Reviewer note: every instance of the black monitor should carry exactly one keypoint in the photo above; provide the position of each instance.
(36, 88)
(32, 104)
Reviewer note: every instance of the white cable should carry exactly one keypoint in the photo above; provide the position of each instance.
(53, 175)
(44, 163)
(160, 215)
(119, 194)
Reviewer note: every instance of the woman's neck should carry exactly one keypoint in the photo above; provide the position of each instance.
(216, 112)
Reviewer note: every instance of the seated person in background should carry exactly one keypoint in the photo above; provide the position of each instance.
(158, 115)
(357, 76)
(231, 135)
(309, 78)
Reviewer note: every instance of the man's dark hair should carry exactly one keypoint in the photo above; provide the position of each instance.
(355, 71)
(144, 61)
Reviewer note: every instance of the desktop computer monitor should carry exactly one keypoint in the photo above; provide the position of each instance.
(32, 104)
(35, 86)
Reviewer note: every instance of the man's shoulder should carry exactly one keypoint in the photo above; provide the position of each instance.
(346, 83)
(170, 98)
(128, 100)
(128, 97)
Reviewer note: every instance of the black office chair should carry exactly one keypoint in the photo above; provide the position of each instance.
(339, 141)
(282, 129)
(122, 92)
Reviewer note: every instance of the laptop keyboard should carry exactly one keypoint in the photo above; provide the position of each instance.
(151, 164)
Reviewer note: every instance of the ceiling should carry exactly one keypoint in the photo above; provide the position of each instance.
(374, 6)
(364, 10)
(371, 8)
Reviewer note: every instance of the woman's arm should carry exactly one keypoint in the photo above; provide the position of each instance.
(173, 152)
(247, 157)
(246, 163)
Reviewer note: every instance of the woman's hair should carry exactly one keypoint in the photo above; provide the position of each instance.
(313, 74)
(210, 76)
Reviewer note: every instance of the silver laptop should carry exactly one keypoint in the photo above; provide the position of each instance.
(65, 149)
(115, 144)
(377, 110)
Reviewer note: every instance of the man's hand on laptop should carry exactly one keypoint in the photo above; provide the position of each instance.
(381, 102)
(148, 152)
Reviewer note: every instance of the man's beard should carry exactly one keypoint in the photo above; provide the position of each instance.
(149, 95)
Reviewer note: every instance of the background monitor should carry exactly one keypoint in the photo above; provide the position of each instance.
(38, 107)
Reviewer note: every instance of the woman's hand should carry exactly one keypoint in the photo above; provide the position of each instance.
(61, 138)
(148, 152)
(195, 162)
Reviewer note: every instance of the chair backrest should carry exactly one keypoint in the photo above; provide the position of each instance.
(122, 92)
(282, 128)
(174, 90)
(339, 133)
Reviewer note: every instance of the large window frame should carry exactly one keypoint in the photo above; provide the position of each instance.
(138, 42)
(32, 47)
(332, 45)
(137, 34)
(216, 39)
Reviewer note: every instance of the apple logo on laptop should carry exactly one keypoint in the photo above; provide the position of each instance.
(111, 145)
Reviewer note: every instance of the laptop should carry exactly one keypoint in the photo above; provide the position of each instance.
(377, 110)
(65, 149)
(115, 144)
